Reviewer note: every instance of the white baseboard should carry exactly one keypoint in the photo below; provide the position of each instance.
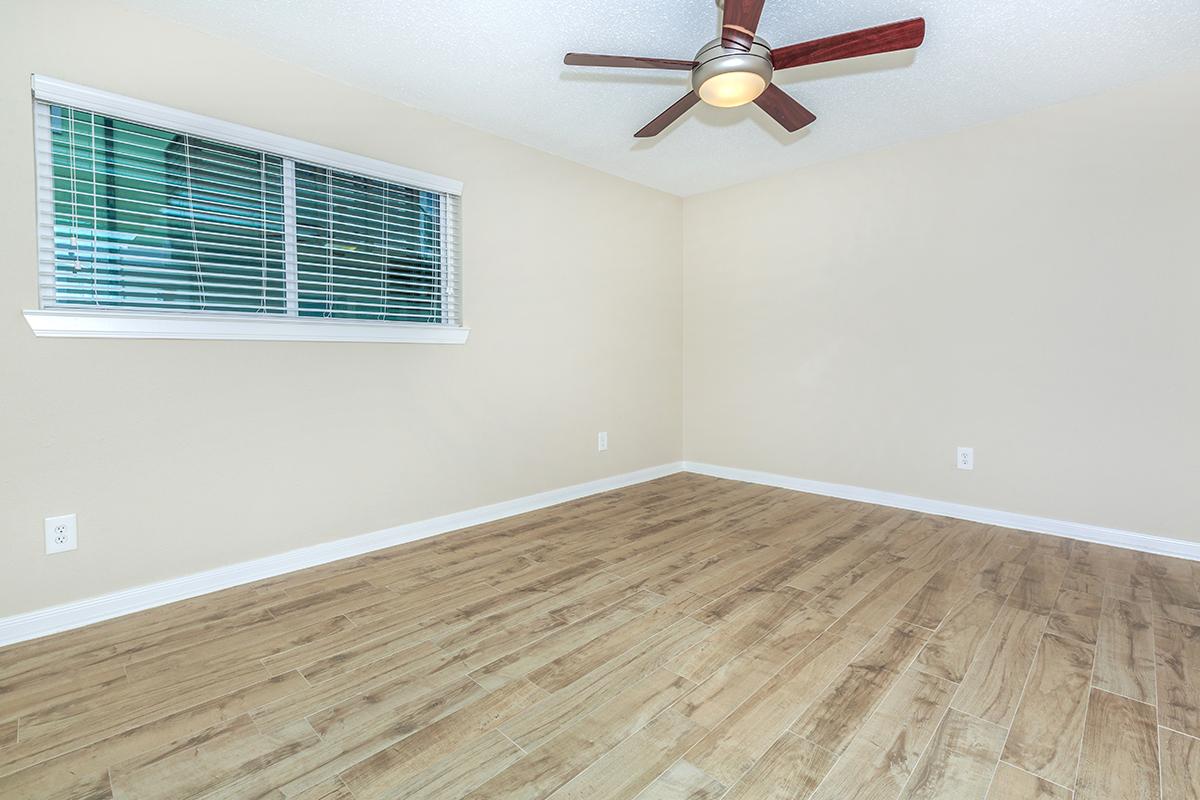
(44, 622)
(1129, 540)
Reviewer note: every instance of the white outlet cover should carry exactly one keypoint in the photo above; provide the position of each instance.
(966, 458)
(602, 440)
(61, 534)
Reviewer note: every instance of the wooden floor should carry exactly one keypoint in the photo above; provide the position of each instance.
(684, 638)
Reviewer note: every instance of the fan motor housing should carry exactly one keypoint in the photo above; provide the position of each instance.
(717, 59)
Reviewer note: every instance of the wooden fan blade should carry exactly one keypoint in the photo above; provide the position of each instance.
(740, 22)
(784, 110)
(592, 60)
(880, 39)
(664, 120)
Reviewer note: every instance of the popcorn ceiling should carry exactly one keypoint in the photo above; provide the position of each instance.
(497, 65)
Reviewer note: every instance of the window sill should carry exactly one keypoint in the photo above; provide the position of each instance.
(132, 325)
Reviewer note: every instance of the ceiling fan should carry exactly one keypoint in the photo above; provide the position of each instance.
(736, 68)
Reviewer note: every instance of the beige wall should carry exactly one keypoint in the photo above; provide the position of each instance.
(1030, 288)
(183, 456)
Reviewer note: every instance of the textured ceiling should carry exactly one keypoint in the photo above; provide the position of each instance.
(497, 65)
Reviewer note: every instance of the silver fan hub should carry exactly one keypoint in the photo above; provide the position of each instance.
(727, 77)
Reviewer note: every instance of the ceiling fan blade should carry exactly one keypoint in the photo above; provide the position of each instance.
(880, 39)
(664, 120)
(739, 23)
(592, 60)
(784, 110)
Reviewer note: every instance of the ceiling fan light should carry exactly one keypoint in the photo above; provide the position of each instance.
(732, 89)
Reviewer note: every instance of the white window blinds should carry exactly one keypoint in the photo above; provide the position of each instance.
(141, 217)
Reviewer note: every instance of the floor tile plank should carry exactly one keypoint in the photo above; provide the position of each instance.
(992, 685)
(376, 777)
(950, 651)
(737, 741)
(1047, 732)
(1180, 765)
(1076, 615)
(1038, 586)
(1120, 750)
(790, 770)
(840, 711)
(632, 765)
(960, 761)
(683, 781)
(879, 760)
(1011, 783)
(1125, 651)
(1177, 647)
(556, 761)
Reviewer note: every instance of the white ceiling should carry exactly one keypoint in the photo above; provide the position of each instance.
(497, 65)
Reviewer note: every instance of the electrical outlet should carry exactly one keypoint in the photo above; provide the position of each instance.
(602, 440)
(61, 534)
(966, 458)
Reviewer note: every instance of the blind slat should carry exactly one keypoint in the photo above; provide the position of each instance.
(200, 295)
(397, 312)
(177, 277)
(141, 222)
(136, 136)
(149, 183)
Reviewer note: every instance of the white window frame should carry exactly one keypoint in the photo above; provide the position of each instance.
(99, 323)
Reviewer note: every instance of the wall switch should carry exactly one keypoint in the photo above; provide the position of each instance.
(602, 440)
(61, 534)
(966, 458)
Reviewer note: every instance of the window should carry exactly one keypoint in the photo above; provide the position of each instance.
(156, 222)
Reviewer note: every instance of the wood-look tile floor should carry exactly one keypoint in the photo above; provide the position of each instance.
(684, 638)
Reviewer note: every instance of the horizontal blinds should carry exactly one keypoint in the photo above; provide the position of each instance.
(136, 217)
(367, 248)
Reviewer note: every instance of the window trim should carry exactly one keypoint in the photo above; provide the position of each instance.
(72, 323)
(83, 322)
